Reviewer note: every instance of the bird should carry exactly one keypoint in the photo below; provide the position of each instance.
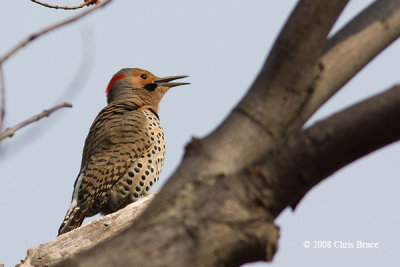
(125, 148)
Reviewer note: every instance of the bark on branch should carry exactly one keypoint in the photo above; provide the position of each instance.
(351, 49)
(279, 91)
(306, 158)
(272, 103)
(84, 237)
(219, 207)
(227, 220)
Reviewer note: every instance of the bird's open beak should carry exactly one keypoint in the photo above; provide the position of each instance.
(166, 81)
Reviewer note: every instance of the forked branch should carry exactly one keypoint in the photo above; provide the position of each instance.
(227, 220)
(306, 158)
(349, 50)
(272, 103)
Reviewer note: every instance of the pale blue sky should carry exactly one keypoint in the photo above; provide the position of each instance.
(221, 45)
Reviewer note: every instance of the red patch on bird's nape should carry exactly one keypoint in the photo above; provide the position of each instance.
(114, 80)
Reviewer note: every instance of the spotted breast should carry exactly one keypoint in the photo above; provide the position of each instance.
(124, 149)
(144, 170)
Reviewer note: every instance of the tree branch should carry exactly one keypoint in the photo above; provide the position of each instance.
(85, 236)
(280, 89)
(69, 93)
(2, 97)
(86, 3)
(48, 29)
(9, 132)
(307, 158)
(238, 226)
(353, 47)
(271, 104)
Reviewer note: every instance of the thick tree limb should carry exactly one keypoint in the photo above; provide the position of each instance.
(34, 36)
(9, 132)
(216, 212)
(353, 47)
(85, 237)
(306, 158)
(271, 104)
(280, 89)
(250, 144)
(227, 220)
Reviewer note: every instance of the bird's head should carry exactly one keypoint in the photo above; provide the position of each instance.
(140, 86)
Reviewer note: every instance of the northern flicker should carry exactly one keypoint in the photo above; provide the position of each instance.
(124, 150)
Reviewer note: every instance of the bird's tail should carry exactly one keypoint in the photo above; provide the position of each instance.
(73, 219)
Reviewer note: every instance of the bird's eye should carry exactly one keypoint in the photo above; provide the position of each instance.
(143, 76)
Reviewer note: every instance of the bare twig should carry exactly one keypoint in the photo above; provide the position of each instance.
(48, 29)
(3, 98)
(86, 3)
(68, 94)
(9, 132)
